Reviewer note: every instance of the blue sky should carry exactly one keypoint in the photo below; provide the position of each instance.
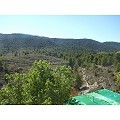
(100, 28)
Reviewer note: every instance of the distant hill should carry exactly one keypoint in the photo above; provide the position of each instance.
(82, 44)
(18, 41)
(113, 45)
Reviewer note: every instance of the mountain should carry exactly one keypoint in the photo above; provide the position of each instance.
(113, 45)
(23, 41)
(81, 44)
(18, 41)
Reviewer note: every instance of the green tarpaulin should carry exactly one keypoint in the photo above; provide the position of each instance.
(100, 97)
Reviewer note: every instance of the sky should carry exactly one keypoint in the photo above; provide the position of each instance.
(101, 28)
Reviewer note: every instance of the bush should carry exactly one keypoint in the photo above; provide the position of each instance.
(41, 85)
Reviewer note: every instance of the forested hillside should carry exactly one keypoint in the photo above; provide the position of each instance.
(13, 42)
(42, 70)
(23, 41)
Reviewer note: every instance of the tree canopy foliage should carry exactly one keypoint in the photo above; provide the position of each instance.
(41, 85)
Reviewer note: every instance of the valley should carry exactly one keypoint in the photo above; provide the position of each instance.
(93, 65)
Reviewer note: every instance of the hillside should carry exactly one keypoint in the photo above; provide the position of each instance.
(19, 41)
(48, 64)
(83, 44)
(23, 41)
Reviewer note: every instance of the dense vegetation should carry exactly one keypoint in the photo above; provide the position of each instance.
(12, 42)
(73, 64)
(41, 85)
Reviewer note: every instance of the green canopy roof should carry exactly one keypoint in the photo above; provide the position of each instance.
(100, 97)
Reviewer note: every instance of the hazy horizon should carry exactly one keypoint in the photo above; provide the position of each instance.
(59, 38)
(102, 28)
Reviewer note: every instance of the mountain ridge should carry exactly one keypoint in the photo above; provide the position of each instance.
(20, 40)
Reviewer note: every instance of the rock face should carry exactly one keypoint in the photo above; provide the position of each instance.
(91, 82)
(85, 87)
(93, 86)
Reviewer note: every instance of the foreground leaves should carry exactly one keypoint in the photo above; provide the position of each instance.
(41, 85)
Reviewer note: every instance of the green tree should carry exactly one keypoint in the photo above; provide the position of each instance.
(41, 85)
(1, 63)
(117, 57)
(117, 67)
(71, 62)
(75, 67)
(104, 61)
(117, 75)
(78, 79)
(12, 93)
